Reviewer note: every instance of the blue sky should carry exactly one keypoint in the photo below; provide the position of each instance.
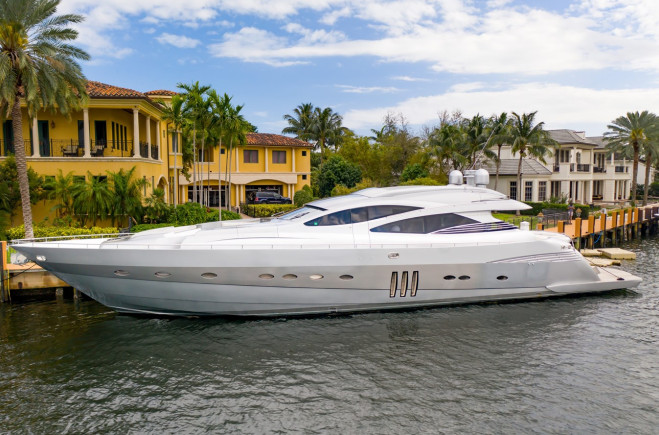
(579, 63)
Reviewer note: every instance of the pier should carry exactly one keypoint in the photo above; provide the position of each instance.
(608, 229)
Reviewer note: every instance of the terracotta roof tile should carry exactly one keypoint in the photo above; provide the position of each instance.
(161, 92)
(274, 140)
(102, 90)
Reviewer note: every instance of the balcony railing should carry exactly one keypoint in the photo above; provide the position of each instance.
(557, 167)
(7, 147)
(581, 167)
(154, 152)
(599, 170)
(622, 169)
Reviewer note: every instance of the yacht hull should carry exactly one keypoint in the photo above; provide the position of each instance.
(312, 280)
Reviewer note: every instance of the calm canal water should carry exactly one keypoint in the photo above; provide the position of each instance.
(573, 365)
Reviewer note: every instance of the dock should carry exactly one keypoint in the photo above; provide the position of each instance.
(609, 229)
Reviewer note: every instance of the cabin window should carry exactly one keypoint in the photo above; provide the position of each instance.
(360, 214)
(424, 224)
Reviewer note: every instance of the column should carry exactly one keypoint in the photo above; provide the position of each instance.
(136, 133)
(148, 136)
(292, 159)
(85, 132)
(159, 127)
(35, 138)
(237, 159)
(266, 159)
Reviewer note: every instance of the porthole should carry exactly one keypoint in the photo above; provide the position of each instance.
(290, 276)
(464, 277)
(120, 272)
(209, 275)
(346, 277)
(502, 277)
(162, 274)
(316, 277)
(266, 276)
(449, 277)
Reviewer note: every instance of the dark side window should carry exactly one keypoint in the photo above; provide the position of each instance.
(360, 214)
(424, 224)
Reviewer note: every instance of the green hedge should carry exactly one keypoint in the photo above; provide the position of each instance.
(537, 207)
(265, 210)
(44, 231)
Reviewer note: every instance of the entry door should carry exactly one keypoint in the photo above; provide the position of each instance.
(44, 138)
(101, 133)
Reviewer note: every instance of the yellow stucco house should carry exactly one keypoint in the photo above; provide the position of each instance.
(121, 128)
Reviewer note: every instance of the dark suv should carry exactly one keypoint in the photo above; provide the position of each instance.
(266, 197)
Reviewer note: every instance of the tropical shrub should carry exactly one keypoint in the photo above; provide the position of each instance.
(266, 210)
(423, 181)
(412, 172)
(303, 196)
(50, 231)
(337, 171)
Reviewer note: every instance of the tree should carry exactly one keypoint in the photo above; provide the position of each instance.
(38, 64)
(651, 152)
(300, 123)
(11, 187)
(499, 127)
(92, 199)
(235, 129)
(631, 131)
(337, 171)
(195, 105)
(156, 210)
(528, 139)
(60, 190)
(220, 107)
(126, 192)
(445, 144)
(174, 113)
(412, 172)
(327, 128)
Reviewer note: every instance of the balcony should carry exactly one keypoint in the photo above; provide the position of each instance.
(599, 170)
(74, 148)
(7, 147)
(622, 169)
(583, 167)
(557, 167)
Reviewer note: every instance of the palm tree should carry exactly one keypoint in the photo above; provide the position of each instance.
(499, 127)
(126, 194)
(220, 107)
(326, 128)
(445, 143)
(528, 140)
(651, 151)
(60, 190)
(92, 198)
(632, 131)
(300, 123)
(174, 113)
(236, 127)
(194, 100)
(38, 64)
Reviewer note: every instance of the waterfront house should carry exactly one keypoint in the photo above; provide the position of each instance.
(578, 169)
(123, 128)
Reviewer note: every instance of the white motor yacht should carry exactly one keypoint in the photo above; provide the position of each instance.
(375, 249)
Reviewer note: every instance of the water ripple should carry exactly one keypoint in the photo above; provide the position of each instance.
(571, 365)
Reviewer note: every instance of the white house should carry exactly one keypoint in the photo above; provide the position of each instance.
(578, 169)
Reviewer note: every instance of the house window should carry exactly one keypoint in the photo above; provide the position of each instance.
(279, 157)
(304, 176)
(251, 156)
(223, 151)
(528, 191)
(565, 156)
(542, 191)
(512, 192)
(556, 189)
(304, 153)
(174, 142)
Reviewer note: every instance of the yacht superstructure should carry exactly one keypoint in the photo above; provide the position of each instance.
(375, 249)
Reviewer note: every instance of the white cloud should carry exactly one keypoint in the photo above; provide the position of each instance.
(366, 89)
(558, 106)
(410, 79)
(179, 41)
(252, 45)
